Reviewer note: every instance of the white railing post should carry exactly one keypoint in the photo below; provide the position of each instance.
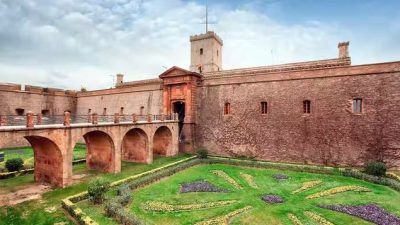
(67, 119)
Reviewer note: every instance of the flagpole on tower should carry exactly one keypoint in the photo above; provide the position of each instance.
(206, 17)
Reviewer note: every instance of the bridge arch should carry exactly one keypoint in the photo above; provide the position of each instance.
(162, 141)
(135, 146)
(48, 160)
(100, 151)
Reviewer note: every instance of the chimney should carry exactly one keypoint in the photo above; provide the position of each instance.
(120, 80)
(343, 50)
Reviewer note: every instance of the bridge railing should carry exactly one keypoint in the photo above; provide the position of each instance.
(30, 120)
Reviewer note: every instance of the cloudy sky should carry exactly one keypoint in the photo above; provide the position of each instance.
(74, 43)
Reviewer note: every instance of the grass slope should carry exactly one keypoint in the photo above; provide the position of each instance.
(47, 210)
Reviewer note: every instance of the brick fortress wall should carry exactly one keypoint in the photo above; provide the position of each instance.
(331, 134)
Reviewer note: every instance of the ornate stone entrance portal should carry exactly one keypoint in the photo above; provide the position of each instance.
(179, 96)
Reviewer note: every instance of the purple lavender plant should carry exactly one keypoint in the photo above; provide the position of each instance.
(280, 176)
(272, 199)
(370, 212)
(200, 186)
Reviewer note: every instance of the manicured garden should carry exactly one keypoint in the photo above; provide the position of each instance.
(219, 193)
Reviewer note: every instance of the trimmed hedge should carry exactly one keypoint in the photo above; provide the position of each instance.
(7, 175)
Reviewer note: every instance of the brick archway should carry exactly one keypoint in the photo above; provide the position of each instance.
(135, 146)
(100, 151)
(48, 161)
(162, 141)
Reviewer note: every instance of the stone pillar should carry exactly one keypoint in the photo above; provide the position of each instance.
(3, 120)
(162, 118)
(116, 118)
(149, 118)
(95, 119)
(29, 120)
(39, 119)
(67, 119)
(134, 118)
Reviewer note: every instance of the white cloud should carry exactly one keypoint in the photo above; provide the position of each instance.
(69, 43)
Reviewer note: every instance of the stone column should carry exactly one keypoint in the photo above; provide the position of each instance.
(116, 118)
(29, 120)
(134, 118)
(67, 119)
(162, 117)
(95, 119)
(149, 118)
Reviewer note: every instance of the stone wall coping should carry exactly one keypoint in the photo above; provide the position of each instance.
(80, 125)
(123, 89)
(270, 76)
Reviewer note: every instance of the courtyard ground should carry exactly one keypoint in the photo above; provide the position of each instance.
(47, 209)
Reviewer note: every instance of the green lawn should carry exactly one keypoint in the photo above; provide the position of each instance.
(26, 154)
(47, 210)
(167, 190)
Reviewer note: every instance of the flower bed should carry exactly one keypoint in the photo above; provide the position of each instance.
(200, 186)
(317, 218)
(249, 179)
(307, 185)
(280, 177)
(226, 177)
(370, 212)
(273, 199)
(337, 190)
(224, 219)
(165, 207)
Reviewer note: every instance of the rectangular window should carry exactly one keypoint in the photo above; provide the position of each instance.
(227, 108)
(264, 107)
(121, 111)
(105, 111)
(20, 112)
(357, 105)
(45, 112)
(307, 106)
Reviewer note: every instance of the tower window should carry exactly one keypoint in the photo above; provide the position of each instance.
(357, 105)
(264, 107)
(105, 111)
(307, 106)
(201, 51)
(227, 108)
(217, 53)
(200, 69)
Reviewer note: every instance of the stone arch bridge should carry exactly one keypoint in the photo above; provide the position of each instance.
(107, 144)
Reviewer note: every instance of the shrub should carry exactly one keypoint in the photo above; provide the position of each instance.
(96, 190)
(16, 164)
(375, 169)
(202, 153)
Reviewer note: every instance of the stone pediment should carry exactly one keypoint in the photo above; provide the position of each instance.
(178, 72)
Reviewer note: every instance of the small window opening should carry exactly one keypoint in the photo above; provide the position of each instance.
(121, 111)
(264, 107)
(200, 69)
(45, 112)
(105, 111)
(227, 108)
(217, 53)
(201, 51)
(357, 105)
(89, 111)
(141, 110)
(307, 106)
(20, 112)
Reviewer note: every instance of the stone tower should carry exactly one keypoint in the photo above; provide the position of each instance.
(206, 53)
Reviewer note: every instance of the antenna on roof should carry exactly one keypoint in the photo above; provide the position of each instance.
(207, 22)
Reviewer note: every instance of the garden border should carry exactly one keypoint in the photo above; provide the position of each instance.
(134, 182)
